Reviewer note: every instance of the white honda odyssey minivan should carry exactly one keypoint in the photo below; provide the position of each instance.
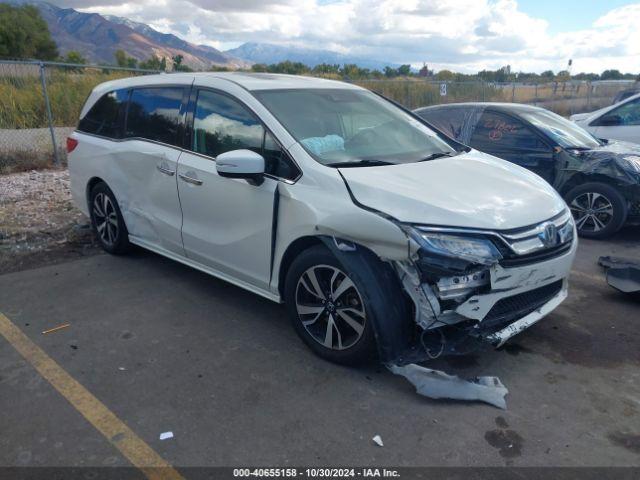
(383, 237)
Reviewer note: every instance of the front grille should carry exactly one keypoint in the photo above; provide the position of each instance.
(634, 211)
(509, 309)
(512, 260)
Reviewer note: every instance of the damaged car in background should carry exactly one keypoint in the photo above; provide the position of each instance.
(382, 236)
(599, 179)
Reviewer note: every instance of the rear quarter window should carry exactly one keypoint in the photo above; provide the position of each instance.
(155, 114)
(448, 120)
(105, 118)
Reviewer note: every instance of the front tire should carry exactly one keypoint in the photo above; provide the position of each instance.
(329, 309)
(107, 221)
(598, 209)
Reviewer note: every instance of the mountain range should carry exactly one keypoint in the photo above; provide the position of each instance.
(97, 37)
(270, 53)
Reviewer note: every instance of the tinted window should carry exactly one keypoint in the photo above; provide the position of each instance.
(629, 113)
(222, 124)
(276, 161)
(104, 118)
(498, 132)
(154, 114)
(448, 120)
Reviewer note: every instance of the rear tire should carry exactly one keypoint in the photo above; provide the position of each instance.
(107, 221)
(329, 308)
(599, 209)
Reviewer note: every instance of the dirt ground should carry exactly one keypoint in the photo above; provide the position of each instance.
(39, 225)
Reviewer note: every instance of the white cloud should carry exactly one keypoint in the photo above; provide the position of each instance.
(463, 35)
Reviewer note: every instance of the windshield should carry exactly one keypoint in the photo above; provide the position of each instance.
(343, 127)
(567, 134)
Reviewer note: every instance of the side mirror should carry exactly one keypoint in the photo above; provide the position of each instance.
(609, 120)
(241, 164)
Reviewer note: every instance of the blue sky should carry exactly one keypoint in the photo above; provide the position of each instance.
(569, 15)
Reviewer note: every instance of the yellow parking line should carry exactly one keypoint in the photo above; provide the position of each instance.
(115, 430)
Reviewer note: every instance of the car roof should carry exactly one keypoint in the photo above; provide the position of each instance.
(247, 80)
(504, 106)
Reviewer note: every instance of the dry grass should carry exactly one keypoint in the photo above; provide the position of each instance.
(22, 102)
(414, 93)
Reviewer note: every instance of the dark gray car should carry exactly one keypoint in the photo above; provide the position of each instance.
(599, 179)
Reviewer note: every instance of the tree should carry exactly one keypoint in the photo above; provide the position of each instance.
(259, 67)
(178, 66)
(445, 75)
(154, 63)
(24, 34)
(390, 72)
(124, 61)
(291, 68)
(587, 76)
(74, 56)
(611, 75)
(326, 69)
(351, 70)
(404, 70)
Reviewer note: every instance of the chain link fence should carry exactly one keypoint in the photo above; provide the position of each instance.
(564, 98)
(39, 107)
(40, 102)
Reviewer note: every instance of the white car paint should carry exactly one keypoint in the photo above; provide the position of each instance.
(472, 190)
(626, 132)
(175, 202)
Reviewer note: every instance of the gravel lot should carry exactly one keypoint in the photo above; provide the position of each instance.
(38, 222)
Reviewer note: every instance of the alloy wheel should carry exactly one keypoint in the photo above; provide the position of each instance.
(330, 307)
(106, 218)
(592, 211)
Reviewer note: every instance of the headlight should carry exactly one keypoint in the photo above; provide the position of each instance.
(471, 249)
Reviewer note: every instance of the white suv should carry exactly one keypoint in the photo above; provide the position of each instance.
(381, 235)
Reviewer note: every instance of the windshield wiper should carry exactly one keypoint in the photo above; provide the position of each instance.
(433, 156)
(359, 163)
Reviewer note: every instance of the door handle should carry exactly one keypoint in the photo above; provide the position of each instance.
(188, 179)
(162, 169)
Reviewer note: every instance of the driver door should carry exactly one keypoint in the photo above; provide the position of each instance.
(511, 139)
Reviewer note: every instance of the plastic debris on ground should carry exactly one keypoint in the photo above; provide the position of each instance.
(622, 274)
(55, 329)
(166, 435)
(378, 440)
(437, 384)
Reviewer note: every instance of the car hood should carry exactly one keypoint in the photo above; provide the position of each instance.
(472, 190)
(580, 117)
(618, 160)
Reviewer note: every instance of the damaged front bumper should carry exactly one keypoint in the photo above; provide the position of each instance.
(489, 304)
(518, 298)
